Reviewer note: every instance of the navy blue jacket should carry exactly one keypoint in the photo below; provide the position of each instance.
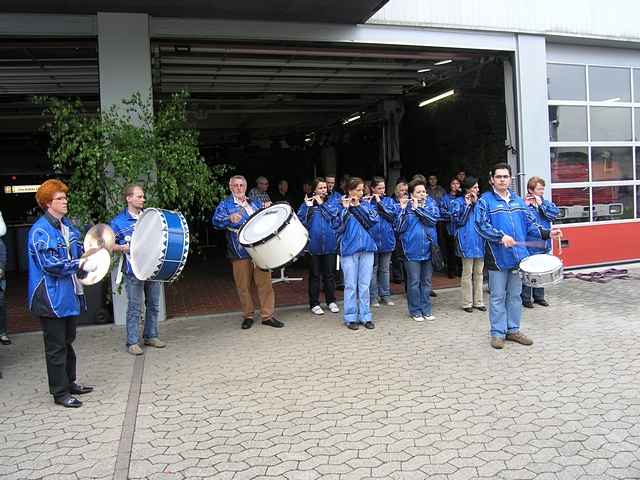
(220, 220)
(319, 221)
(353, 226)
(417, 228)
(383, 232)
(469, 243)
(544, 215)
(495, 218)
(52, 264)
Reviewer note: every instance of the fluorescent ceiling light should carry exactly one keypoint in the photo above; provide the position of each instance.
(424, 70)
(351, 119)
(436, 98)
(617, 99)
(443, 62)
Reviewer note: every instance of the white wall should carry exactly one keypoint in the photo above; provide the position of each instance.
(612, 19)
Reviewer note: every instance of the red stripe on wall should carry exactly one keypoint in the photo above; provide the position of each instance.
(599, 244)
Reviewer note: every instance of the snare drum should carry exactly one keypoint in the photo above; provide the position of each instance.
(541, 270)
(159, 245)
(273, 237)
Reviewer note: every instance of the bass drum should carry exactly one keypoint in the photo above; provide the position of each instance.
(159, 245)
(273, 237)
(541, 270)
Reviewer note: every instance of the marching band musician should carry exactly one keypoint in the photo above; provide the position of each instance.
(139, 292)
(469, 245)
(417, 229)
(384, 235)
(506, 224)
(544, 212)
(230, 215)
(55, 294)
(317, 214)
(353, 222)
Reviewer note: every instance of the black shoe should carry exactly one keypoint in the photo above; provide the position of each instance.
(77, 389)
(273, 322)
(353, 326)
(369, 326)
(542, 302)
(482, 308)
(450, 275)
(527, 304)
(68, 402)
(4, 340)
(468, 309)
(397, 281)
(246, 323)
(433, 294)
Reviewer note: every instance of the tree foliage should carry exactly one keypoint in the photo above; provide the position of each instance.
(100, 154)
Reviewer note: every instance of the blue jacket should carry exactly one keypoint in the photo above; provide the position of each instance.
(544, 215)
(123, 225)
(335, 198)
(445, 212)
(469, 244)
(319, 221)
(382, 231)
(220, 220)
(417, 228)
(353, 237)
(496, 218)
(52, 264)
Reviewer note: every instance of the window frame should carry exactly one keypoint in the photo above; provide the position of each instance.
(634, 144)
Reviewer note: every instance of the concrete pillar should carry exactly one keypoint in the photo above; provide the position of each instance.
(125, 68)
(533, 115)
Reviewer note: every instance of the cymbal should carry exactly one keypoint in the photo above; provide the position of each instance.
(103, 259)
(100, 236)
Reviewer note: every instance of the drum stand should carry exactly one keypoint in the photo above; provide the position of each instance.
(284, 279)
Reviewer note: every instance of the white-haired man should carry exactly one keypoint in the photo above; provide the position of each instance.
(230, 215)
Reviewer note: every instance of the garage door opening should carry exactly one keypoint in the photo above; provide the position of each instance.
(291, 112)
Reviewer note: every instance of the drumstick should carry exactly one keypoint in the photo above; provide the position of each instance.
(532, 243)
(559, 245)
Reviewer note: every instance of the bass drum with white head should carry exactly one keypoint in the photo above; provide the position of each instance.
(274, 236)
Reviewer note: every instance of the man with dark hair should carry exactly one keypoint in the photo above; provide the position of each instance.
(139, 292)
(505, 222)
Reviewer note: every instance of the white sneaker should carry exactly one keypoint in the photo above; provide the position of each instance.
(333, 306)
(389, 303)
(375, 304)
(418, 319)
(317, 310)
(430, 318)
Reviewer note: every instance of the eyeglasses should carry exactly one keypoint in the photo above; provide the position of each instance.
(64, 197)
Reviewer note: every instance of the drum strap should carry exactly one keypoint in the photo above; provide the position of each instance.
(604, 276)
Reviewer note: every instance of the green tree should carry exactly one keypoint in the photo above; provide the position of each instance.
(101, 153)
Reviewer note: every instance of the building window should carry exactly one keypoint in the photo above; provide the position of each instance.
(566, 82)
(567, 123)
(594, 133)
(608, 84)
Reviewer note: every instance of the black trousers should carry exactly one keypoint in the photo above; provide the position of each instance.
(322, 272)
(454, 262)
(397, 264)
(59, 334)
